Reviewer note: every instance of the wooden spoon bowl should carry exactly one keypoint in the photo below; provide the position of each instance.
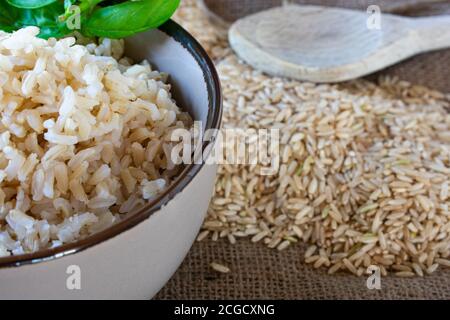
(325, 44)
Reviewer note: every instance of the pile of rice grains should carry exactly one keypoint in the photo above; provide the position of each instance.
(364, 168)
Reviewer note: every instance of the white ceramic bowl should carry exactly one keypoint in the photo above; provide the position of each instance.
(136, 257)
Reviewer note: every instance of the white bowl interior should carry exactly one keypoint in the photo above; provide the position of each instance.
(167, 55)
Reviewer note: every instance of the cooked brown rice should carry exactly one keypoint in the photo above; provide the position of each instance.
(82, 138)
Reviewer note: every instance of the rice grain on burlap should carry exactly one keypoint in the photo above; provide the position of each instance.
(261, 273)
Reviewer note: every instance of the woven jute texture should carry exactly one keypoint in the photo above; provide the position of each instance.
(261, 273)
(231, 10)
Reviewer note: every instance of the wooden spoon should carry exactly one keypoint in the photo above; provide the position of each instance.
(324, 44)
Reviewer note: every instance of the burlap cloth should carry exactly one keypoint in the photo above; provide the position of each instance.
(261, 273)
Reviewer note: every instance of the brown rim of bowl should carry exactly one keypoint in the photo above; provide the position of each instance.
(175, 31)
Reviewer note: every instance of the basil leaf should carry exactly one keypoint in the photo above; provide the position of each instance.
(46, 18)
(89, 5)
(8, 16)
(30, 4)
(68, 4)
(127, 18)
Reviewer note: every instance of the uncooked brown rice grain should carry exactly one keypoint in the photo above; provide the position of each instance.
(365, 167)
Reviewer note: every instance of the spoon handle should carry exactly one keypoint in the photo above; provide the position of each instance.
(434, 32)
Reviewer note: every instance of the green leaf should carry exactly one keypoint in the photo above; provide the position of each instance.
(68, 4)
(125, 19)
(8, 16)
(6, 27)
(30, 4)
(46, 18)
